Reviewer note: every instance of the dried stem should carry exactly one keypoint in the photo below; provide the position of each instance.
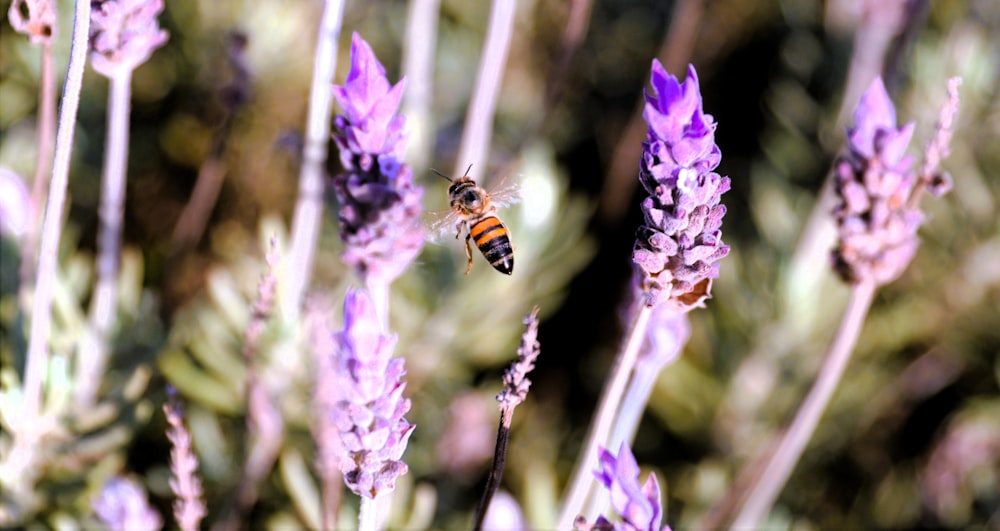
(324, 399)
(194, 218)
(577, 23)
(516, 385)
(496, 469)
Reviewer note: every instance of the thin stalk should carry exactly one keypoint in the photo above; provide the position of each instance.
(652, 362)
(95, 348)
(482, 108)
(418, 66)
(582, 481)
(309, 208)
(38, 348)
(662, 353)
(775, 473)
(367, 514)
(43, 165)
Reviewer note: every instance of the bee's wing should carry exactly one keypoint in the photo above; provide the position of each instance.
(506, 194)
(440, 223)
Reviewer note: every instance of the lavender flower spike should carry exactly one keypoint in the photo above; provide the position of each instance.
(639, 507)
(369, 406)
(380, 207)
(877, 225)
(678, 247)
(124, 33)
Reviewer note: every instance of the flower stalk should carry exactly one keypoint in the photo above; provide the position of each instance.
(677, 248)
(48, 253)
(877, 220)
(40, 26)
(309, 206)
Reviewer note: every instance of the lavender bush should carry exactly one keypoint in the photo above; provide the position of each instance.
(245, 121)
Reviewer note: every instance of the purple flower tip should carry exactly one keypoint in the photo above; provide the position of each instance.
(678, 247)
(369, 124)
(369, 404)
(380, 204)
(638, 506)
(877, 221)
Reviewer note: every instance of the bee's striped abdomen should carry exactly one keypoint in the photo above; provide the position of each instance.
(493, 240)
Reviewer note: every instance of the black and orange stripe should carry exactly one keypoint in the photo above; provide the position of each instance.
(493, 240)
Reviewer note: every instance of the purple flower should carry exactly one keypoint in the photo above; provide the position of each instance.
(874, 181)
(369, 405)
(122, 505)
(678, 247)
(380, 206)
(124, 33)
(638, 506)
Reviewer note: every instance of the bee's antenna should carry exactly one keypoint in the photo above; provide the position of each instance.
(467, 170)
(441, 174)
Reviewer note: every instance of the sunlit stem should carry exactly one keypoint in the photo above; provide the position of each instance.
(582, 481)
(775, 473)
(38, 348)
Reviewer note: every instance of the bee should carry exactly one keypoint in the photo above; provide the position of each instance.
(474, 209)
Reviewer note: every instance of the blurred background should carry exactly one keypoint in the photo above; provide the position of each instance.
(911, 439)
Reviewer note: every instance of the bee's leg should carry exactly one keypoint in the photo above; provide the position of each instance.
(468, 252)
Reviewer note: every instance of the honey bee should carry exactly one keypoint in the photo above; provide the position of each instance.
(474, 209)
